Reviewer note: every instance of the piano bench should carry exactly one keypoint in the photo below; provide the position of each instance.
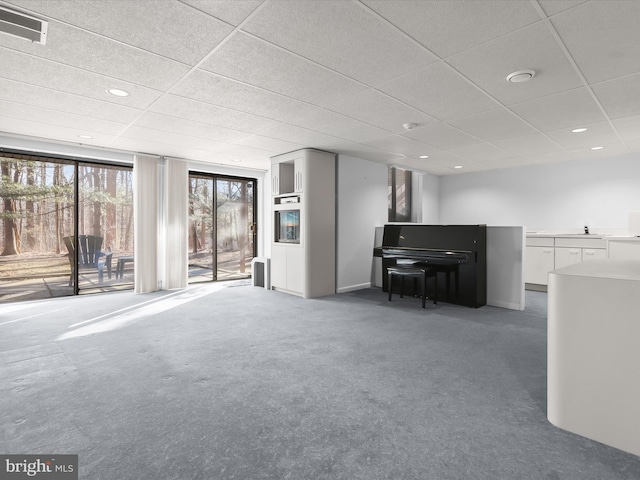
(417, 273)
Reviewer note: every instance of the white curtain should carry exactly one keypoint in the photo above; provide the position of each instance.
(145, 221)
(176, 224)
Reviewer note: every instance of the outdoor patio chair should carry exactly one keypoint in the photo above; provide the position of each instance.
(90, 255)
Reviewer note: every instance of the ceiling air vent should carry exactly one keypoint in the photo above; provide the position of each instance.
(22, 25)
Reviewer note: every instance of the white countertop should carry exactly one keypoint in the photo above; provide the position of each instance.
(612, 269)
(567, 235)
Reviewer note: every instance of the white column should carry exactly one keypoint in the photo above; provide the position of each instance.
(145, 221)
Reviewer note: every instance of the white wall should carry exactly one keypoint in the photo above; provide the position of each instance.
(599, 193)
(361, 206)
(429, 202)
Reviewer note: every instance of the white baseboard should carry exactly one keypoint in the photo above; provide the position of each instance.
(502, 304)
(353, 288)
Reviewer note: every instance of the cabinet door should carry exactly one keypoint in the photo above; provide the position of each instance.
(539, 261)
(567, 256)
(275, 180)
(298, 174)
(278, 266)
(295, 269)
(593, 254)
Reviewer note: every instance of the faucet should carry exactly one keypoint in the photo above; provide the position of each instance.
(586, 230)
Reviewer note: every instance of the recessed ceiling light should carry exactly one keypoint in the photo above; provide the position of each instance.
(520, 76)
(85, 136)
(579, 130)
(424, 156)
(458, 166)
(235, 160)
(597, 148)
(117, 92)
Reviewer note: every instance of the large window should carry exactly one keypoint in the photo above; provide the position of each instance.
(64, 227)
(222, 227)
(399, 197)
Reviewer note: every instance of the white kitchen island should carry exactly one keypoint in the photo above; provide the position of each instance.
(593, 358)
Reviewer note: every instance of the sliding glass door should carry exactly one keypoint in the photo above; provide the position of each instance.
(105, 228)
(64, 227)
(222, 227)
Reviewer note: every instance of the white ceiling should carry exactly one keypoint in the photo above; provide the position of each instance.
(236, 82)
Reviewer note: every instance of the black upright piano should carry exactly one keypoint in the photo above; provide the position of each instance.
(457, 252)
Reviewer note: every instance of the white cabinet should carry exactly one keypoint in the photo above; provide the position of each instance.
(545, 254)
(565, 256)
(282, 178)
(279, 275)
(624, 248)
(298, 174)
(290, 272)
(304, 192)
(539, 259)
(593, 254)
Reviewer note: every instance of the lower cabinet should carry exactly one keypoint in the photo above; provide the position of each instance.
(565, 256)
(287, 268)
(545, 254)
(539, 261)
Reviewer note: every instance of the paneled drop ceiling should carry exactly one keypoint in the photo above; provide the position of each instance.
(236, 82)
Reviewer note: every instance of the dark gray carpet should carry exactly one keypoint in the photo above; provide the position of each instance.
(244, 383)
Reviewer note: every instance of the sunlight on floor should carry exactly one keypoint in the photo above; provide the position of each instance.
(126, 316)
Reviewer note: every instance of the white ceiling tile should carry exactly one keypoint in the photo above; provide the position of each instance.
(439, 91)
(597, 134)
(295, 134)
(634, 145)
(358, 150)
(551, 7)
(245, 152)
(81, 123)
(610, 149)
(620, 97)
(180, 140)
(213, 115)
(603, 38)
(339, 126)
(529, 145)
(441, 136)
(628, 127)
(53, 132)
(403, 146)
(450, 161)
(267, 66)
(343, 36)
(216, 90)
(481, 152)
(376, 108)
(171, 29)
(510, 162)
(230, 11)
(173, 124)
(44, 73)
(272, 145)
(65, 102)
(553, 157)
(567, 109)
(494, 125)
(448, 27)
(532, 48)
(89, 52)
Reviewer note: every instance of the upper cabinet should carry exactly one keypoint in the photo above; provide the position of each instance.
(287, 176)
